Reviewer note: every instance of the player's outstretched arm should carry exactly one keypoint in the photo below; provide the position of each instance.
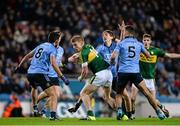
(122, 29)
(74, 58)
(172, 55)
(113, 56)
(25, 59)
(147, 54)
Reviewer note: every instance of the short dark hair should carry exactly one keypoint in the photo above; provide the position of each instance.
(53, 36)
(110, 32)
(130, 29)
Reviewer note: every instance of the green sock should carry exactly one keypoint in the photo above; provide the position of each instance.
(90, 113)
(161, 106)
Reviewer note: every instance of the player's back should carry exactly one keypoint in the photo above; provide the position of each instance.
(41, 60)
(129, 54)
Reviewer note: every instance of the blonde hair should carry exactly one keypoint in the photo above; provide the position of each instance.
(77, 38)
(147, 36)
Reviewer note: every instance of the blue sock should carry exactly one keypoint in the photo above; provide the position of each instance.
(53, 114)
(35, 107)
(119, 112)
(43, 111)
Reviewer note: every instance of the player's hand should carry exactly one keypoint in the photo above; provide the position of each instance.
(84, 71)
(74, 58)
(66, 81)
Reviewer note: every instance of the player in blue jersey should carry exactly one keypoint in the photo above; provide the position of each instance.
(129, 50)
(43, 56)
(105, 50)
(54, 78)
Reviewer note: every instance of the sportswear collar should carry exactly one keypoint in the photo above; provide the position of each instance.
(129, 37)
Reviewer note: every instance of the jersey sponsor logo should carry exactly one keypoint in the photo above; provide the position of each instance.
(93, 54)
(152, 59)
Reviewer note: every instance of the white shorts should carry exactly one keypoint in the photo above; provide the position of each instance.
(102, 78)
(150, 84)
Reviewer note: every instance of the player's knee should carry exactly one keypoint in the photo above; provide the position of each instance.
(125, 96)
(133, 99)
(82, 94)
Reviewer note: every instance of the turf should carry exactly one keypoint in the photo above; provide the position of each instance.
(76, 122)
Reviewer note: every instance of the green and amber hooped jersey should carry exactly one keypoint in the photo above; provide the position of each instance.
(147, 65)
(95, 61)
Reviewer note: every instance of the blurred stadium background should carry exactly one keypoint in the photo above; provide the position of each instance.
(26, 23)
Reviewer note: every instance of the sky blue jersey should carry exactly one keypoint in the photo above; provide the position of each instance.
(40, 62)
(106, 52)
(60, 52)
(129, 50)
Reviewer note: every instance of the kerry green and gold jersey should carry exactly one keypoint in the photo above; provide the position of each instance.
(147, 65)
(95, 61)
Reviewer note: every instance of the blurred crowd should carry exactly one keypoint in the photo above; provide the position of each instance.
(26, 23)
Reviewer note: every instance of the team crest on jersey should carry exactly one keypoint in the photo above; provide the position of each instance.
(151, 52)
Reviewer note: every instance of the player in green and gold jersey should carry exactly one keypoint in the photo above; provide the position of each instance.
(102, 75)
(147, 68)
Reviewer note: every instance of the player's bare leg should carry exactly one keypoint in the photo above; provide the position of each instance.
(142, 87)
(85, 96)
(127, 103)
(78, 103)
(44, 95)
(34, 95)
(134, 92)
(120, 113)
(162, 107)
(108, 98)
(51, 92)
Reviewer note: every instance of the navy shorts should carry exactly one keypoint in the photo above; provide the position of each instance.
(114, 83)
(55, 80)
(124, 78)
(41, 80)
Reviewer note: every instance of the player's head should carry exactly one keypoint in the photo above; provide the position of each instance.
(55, 37)
(130, 31)
(77, 42)
(147, 40)
(107, 36)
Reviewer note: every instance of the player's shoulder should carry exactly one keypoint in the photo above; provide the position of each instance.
(154, 48)
(100, 47)
(60, 49)
(87, 46)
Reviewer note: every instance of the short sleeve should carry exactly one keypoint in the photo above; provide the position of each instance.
(98, 49)
(53, 51)
(160, 52)
(118, 47)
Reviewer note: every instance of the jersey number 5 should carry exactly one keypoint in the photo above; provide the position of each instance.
(131, 50)
(39, 52)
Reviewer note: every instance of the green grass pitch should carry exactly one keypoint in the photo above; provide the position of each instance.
(29, 121)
